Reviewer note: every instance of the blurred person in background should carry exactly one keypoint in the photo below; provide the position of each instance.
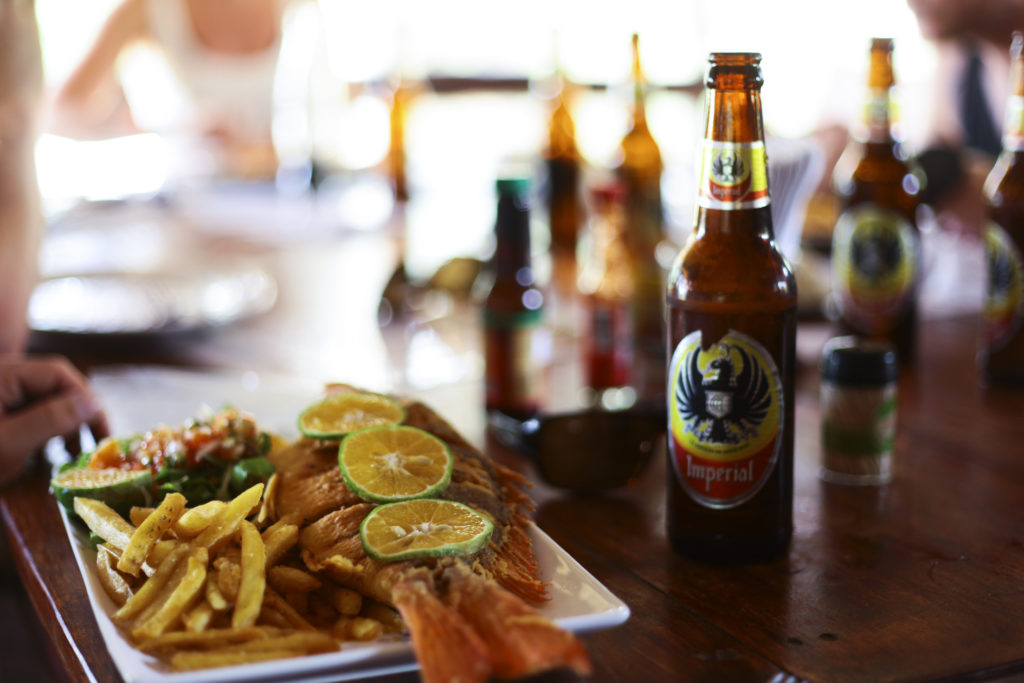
(224, 55)
(40, 398)
(21, 224)
(971, 84)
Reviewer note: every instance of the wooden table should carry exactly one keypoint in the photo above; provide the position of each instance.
(920, 579)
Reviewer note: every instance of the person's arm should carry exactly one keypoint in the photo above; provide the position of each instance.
(91, 102)
(20, 215)
(41, 398)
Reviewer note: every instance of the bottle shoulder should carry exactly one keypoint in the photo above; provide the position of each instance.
(878, 175)
(716, 268)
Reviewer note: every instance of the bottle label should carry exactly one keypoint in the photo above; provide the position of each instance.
(1004, 296)
(725, 406)
(875, 256)
(513, 350)
(609, 349)
(1013, 127)
(879, 115)
(733, 175)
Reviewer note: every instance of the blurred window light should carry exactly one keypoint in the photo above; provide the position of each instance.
(813, 72)
(101, 169)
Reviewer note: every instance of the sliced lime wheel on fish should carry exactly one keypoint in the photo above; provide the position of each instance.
(423, 528)
(388, 464)
(336, 416)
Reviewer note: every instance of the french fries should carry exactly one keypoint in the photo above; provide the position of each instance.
(253, 580)
(196, 519)
(114, 584)
(292, 580)
(206, 587)
(149, 532)
(104, 522)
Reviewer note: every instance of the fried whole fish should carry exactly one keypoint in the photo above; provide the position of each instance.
(470, 618)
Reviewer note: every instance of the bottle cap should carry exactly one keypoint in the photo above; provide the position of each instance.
(513, 185)
(857, 361)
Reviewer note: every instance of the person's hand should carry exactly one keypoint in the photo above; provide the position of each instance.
(40, 398)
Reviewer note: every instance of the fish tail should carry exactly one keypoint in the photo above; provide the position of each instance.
(448, 649)
(515, 566)
(520, 641)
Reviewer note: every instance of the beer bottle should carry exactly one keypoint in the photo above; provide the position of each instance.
(606, 283)
(512, 310)
(562, 157)
(876, 243)
(1002, 342)
(732, 334)
(640, 172)
(398, 115)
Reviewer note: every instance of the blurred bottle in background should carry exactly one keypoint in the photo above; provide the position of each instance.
(513, 310)
(1002, 341)
(401, 95)
(876, 244)
(606, 283)
(565, 170)
(640, 173)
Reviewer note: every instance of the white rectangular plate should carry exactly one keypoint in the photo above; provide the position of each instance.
(138, 399)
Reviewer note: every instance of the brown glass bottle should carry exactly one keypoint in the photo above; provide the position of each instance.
(512, 310)
(876, 250)
(606, 283)
(640, 173)
(1001, 353)
(732, 338)
(396, 151)
(564, 165)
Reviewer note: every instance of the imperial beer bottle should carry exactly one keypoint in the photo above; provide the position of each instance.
(732, 336)
(512, 310)
(1002, 341)
(640, 173)
(876, 242)
(565, 206)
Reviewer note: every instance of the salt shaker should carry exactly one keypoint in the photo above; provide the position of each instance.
(858, 410)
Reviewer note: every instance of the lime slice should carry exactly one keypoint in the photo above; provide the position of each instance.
(336, 416)
(387, 464)
(120, 489)
(423, 528)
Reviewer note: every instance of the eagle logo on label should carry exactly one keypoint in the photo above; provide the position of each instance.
(730, 175)
(1004, 293)
(725, 406)
(733, 175)
(875, 263)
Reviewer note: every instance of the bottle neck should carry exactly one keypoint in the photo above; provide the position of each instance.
(879, 112)
(639, 88)
(639, 109)
(562, 131)
(734, 166)
(512, 231)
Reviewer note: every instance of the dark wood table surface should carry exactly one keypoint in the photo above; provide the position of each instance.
(922, 579)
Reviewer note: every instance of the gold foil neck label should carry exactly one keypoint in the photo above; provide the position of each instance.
(875, 266)
(1013, 128)
(733, 175)
(880, 116)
